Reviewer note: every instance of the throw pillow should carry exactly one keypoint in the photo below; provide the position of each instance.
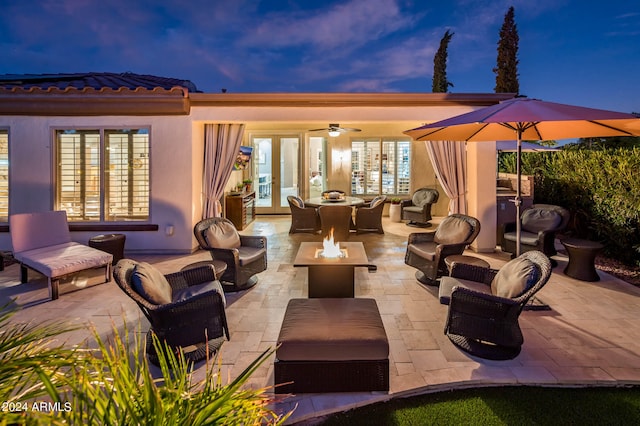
(222, 235)
(452, 230)
(514, 278)
(536, 220)
(297, 201)
(151, 284)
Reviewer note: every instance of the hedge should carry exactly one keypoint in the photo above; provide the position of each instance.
(601, 188)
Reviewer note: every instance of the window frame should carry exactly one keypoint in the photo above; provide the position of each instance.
(104, 217)
(363, 154)
(7, 198)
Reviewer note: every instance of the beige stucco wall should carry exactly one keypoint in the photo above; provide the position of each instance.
(171, 156)
(176, 154)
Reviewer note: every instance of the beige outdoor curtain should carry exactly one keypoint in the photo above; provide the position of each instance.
(449, 159)
(221, 146)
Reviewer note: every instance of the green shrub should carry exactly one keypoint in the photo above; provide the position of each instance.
(600, 188)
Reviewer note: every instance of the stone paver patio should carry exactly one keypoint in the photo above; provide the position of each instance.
(590, 337)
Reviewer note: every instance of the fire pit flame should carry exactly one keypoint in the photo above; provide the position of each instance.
(331, 249)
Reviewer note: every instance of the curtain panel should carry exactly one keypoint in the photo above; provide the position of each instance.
(449, 159)
(221, 145)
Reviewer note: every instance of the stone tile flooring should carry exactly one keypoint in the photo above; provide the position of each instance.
(591, 335)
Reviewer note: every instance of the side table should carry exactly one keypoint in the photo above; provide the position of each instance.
(582, 255)
(219, 267)
(461, 258)
(110, 243)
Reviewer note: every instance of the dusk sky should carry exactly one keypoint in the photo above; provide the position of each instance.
(582, 52)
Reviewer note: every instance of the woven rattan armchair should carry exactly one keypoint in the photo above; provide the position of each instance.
(245, 255)
(337, 218)
(417, 210)
(193, 319)
(540, 224)
(484, 310)
(303, 218)
(426, 251)
(369, 217)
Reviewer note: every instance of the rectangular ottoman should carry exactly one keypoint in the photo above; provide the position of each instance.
(332, 345)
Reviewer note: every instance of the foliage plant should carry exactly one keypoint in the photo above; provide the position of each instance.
(506, 69)
(601, 189)
(114, 384)
(32, 363)
(440, 84)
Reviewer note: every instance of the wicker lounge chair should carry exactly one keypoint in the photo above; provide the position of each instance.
(338, 218)
(245, 255)
(426, 251)
(540, 224)
(185, 309)
(369, 218)
(303, 219)
(417, 210)
(484, 304)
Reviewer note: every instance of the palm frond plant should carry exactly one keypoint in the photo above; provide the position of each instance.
(116, 386)
(31, 360)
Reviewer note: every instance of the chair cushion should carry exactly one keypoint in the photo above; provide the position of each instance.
(426, 250)
(420, 198)
(514, 278)
(250, 254)
(222, 235)
(536, 220)
(62, 259)
(376, 201)
(151, 284)
(526, 238)
(195, 290)
(412, 209)
(297, 201)
(448, 283)
(453, 230)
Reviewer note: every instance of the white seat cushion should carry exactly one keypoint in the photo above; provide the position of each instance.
(62, 259)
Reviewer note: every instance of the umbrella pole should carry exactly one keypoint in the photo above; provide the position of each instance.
(518, 200)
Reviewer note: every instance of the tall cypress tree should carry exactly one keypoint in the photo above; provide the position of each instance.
(507, 66)
(440, 83)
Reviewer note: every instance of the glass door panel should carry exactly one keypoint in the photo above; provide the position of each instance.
(263, 173)
(317, 166)
(277, 172)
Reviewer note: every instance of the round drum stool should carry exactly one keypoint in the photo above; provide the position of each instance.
(582, 255)
(110, 243)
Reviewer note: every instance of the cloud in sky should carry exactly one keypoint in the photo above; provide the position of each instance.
(317, 46)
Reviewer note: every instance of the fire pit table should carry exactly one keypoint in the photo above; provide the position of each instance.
(331, 277)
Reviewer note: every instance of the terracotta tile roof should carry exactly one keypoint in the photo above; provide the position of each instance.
(91, 81)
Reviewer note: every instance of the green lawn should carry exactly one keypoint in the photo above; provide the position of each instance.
(503, 406)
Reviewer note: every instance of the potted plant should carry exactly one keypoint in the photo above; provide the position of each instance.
(247, 184)
(395, 210)
(239, 187)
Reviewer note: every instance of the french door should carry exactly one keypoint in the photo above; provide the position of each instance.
(276, 167)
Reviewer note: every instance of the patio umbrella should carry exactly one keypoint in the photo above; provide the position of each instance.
(528, 119)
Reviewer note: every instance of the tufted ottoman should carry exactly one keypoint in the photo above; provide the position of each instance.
(332, 345)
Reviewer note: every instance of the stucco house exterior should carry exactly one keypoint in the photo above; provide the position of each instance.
(141, 139)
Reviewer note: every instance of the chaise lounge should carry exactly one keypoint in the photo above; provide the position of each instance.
(42, 242)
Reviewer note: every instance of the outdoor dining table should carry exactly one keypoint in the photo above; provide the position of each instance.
(347, 201)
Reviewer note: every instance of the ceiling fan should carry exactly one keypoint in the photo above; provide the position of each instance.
(334, 129)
